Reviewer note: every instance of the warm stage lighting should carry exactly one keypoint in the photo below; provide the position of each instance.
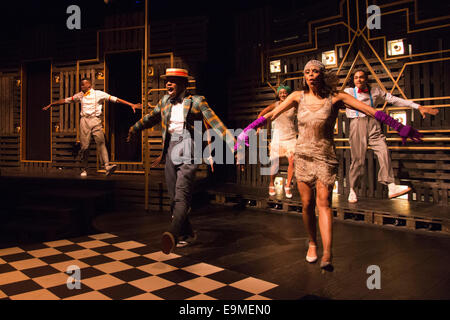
(275, 66)
(329, 58)
(395, 47)
(400, 116)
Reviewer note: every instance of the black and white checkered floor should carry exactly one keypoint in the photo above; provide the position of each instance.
(115, 268)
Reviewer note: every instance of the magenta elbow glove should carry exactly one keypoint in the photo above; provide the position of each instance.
(244, 135)
(403, 131)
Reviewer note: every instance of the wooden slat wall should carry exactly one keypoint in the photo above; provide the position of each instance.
(6, 105)
(9, 120)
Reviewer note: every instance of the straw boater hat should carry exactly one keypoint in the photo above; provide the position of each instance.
(176, 72)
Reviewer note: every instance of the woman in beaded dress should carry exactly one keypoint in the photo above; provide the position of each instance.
(315, 157)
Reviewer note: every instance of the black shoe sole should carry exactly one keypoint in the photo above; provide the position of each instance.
(167, 242)
(111, 171)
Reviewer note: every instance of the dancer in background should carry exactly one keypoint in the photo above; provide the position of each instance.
(284, 138)
(366, 132)
(315, 157)
(91, 122)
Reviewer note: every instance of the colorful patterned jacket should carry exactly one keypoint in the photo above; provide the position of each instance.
(195, 109)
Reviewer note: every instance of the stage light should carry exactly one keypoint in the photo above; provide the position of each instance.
(400, 116)
(151, 71)
(275, 66)
(329, 58)
(279, 183)
(395, 47)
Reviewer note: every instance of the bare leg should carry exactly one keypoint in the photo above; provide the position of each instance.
(325, 219)
(272, 180)
(290, 172)
(308, 215)
(273, 172)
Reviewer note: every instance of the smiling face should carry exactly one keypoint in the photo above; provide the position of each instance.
(175, 86)
(282, 94)
(360, 80)
(313, 77)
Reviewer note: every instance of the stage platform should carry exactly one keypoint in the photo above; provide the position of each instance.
(396, 213)
(63, 192)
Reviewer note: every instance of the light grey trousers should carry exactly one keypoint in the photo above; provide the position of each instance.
(92, 126)
(366, 132)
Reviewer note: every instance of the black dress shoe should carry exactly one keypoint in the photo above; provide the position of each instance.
(167, 242)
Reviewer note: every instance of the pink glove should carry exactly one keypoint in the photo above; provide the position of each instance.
(403, 131)
(244, 135)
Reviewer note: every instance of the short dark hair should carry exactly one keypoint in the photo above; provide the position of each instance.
(86, 79)
(363, 71)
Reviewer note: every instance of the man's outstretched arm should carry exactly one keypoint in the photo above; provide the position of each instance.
(62, 101)
(107, 97)
(133, 106)
(147, 121)
(74, 98)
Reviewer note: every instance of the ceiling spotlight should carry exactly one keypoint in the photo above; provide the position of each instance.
(329, 58)
(275, 66)
(395, 47)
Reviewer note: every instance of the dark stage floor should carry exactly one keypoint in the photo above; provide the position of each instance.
(241, 253)
(271, 247)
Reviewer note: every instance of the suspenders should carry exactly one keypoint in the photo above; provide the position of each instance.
(356, 97)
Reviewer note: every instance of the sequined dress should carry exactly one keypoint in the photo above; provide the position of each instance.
(315, 156)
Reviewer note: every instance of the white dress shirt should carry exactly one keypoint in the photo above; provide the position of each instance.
(176, 122)
(91, 102)
(378, 97)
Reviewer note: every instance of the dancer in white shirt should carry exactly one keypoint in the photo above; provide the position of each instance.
(366, 131)
(91, 123)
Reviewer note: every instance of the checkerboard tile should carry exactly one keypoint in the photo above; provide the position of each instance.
(9, 251)
(202, 269)
(253, 285)
(112, 268)
(201, 297)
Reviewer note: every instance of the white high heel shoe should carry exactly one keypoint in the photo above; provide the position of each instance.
(308, 258)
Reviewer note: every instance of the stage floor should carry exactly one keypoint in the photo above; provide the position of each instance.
(240, 254)
(272, 248)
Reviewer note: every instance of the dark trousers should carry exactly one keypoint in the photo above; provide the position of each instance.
(180, 181)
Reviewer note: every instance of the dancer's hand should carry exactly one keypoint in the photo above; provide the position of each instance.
(423, 111)
(131, 134)
(135, 106)
(405, 131)
(46, 108)
(211, 163)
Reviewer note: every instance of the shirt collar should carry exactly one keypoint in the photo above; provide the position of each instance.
(366, 90)
(179, 98)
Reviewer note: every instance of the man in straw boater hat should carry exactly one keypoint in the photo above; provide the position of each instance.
(180, 114)
(366, 132)
(91, 122)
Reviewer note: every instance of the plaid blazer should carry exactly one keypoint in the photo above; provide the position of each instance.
(195, 109)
